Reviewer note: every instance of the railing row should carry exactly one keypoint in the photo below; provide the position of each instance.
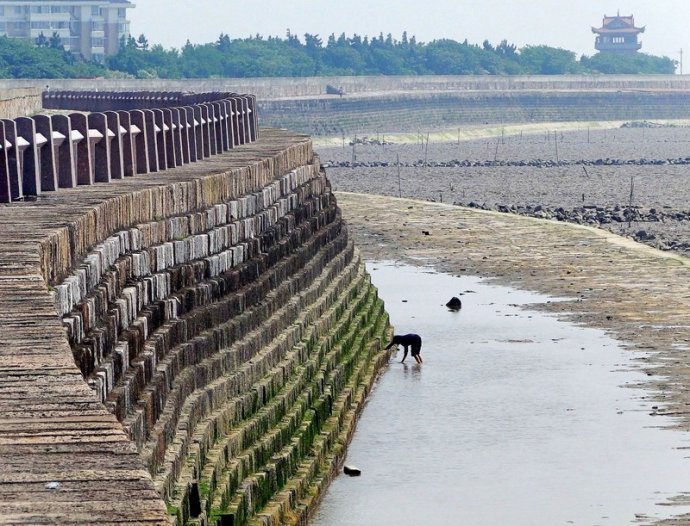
(125, 100)
(47, 152)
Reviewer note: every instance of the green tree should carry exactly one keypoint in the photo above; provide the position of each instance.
(224, 43)
(143, 42)
(633, 64)
(55, 42)
(545, 60)
(42, 40)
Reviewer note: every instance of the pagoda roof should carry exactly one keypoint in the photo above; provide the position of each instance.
(618, 24)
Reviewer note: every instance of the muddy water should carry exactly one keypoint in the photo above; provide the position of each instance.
(514, 418)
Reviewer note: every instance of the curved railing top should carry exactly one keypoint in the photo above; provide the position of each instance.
(96, 100)
(122, 135)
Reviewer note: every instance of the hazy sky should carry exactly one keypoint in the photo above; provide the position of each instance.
(558, 23)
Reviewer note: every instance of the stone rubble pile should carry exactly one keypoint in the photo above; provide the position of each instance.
(532, 163)
(601, 216)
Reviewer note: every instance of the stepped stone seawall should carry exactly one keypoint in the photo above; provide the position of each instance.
(190, 345)
(18, 102)
(414, 112)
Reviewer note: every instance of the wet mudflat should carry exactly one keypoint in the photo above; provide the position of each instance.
(429, 173)
(514, 418)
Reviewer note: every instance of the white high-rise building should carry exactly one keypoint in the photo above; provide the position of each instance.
(90, 28)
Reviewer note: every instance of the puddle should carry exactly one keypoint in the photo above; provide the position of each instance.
(514, 418)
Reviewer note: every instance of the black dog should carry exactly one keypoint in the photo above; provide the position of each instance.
(408, 340)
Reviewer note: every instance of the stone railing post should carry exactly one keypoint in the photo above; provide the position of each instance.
(99, 146)
(161, 139)
(224, 119)
(172, 135)
(213, 127)
(253, 118)
(217, 126)
(5, 180)
(205, 130)
(48, 163)
(235, 121)
(198, 133)
(116, 132)
(82, 148)
(184, 135)
(129, 157)
(140, 140)
(151, 132)
(13, 159)
(29, 161)
(244, 129)
(191, 132)
(64, 152)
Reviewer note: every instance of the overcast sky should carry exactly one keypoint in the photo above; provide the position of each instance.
(559, 23)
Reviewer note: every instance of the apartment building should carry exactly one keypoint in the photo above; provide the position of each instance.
(90, 28)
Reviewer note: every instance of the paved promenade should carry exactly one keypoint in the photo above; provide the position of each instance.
(637, 293)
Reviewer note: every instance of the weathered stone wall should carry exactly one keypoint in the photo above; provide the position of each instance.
(19, 102)
(273, 88)
(220, 313)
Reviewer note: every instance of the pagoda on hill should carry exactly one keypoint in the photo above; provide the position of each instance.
(618, 34)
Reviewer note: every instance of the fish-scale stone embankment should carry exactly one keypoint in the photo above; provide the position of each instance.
(191, 346)
(415, 111)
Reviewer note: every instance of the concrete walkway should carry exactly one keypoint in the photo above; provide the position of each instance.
(637, 293)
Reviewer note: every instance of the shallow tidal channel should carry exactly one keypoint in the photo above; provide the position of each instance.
(514, 418)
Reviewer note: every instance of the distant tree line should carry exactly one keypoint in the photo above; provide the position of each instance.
(257, 56)
(291, 56)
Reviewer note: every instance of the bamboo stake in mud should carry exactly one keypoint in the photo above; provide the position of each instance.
(632, 191)
(498, 142)
(399, 184)
(426, 150)
(555, 141)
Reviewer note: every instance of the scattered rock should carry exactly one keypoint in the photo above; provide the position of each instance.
(454, 304)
